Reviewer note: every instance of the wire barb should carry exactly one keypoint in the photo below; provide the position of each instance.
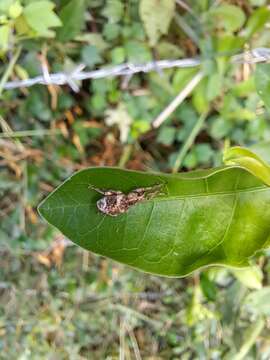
(128, 70)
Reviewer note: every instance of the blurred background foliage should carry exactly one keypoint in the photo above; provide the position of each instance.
(59, 302)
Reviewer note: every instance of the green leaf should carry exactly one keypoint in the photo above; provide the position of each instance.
(257, 21)
(72, 17)
(137, 52)
(248, 160)
(118, 55)
(219, 216)
(262, 149)
(230, 17)
(250, 277)
(113, 11)
(15, 10)
(262, 82)
(220, 128)
(182, 77)
(167, 50)
(166, 135)
(214, 86)
(208, 287)
(93, 39)
(258, 301)
(4, 36)
(156, 16)
(40, 17)
(5, 5)
(90, 56)
(204, 153)
(199, 99)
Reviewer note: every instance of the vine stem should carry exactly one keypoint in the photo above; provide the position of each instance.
(127, 151)
(189, 142)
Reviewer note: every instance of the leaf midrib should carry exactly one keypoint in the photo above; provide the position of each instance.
(168, 198)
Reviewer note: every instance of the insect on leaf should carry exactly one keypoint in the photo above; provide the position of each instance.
(217, 216)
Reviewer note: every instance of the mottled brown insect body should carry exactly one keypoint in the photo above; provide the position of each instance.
(114, 203)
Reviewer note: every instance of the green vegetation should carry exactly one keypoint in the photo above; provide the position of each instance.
(60, 301)
(197, 219)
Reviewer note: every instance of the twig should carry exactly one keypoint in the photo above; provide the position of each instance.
(128, 311)
(8, 132)
(178, 100)
(186, 7)
(188, 143)
(9, 69)
(122, 333)
(134, 342)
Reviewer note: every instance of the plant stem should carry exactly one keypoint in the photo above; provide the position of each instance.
(127, 151)
(178, 100)
(9, 69)
(251, 339)
(187, 29)
(30, 133)
(189, 142)
(7, 132)
(128, 311)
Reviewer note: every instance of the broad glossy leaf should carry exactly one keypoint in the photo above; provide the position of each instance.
(248, 160)
(218, 216)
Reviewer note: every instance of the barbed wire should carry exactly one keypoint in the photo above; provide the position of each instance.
(129, 69)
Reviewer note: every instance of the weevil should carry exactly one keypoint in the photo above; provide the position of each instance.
(115, 202)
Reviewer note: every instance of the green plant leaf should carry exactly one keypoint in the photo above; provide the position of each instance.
(72, 17)
(15, 10)
(218, 216)
(40, 17)
(156, 16)
(251, 277)
(262, 82)
(113, 11)
(257, 21)
(248, 160)
(230, 17)
(5, 5)
(90, 56)
(258, 301)
(4, 35)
